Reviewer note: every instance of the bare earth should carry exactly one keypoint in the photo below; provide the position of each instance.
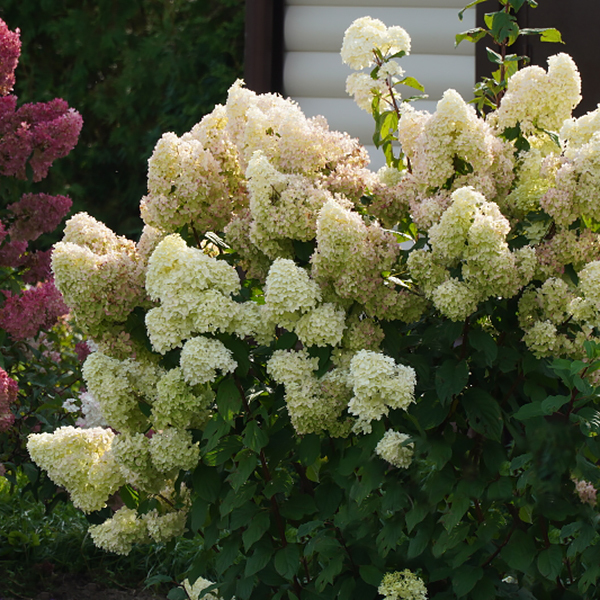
(73, 587)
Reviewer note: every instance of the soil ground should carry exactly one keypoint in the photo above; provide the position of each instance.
(76, 587)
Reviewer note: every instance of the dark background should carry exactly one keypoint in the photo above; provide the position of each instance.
(134, 69)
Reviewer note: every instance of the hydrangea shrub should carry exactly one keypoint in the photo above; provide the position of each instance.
(38, 361)
(347, 384)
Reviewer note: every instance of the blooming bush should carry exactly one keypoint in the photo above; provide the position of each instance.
(38, 359)
(347, 383)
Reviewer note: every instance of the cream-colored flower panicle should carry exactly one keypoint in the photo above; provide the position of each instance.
(80, 461)
(366, 34)
(379, 384)
(402, 585)
(393, 448)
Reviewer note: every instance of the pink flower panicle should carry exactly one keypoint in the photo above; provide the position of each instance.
(35, 308)
(40, 133)
(37, 267)
(10, 50)
(8, 396)
(35, 214)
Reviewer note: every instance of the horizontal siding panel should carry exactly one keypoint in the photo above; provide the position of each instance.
(322, 74)
(321, 28)
(456, 4)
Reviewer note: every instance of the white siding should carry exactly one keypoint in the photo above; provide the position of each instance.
(315, 76)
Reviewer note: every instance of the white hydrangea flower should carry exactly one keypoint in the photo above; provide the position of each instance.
(201, 357)
(360, 39)
(173, 450)
(289, 292)
(402, 585)
(194, 591)
(589, 283)
(391, 449)
(378, 384)
(70, 456)
(322, 326)
(164, 527)
(119, 533)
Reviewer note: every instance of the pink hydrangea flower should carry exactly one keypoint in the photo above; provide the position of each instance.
(43, 131)
(8, 396)
(35, 214)
(24, 314)
(10, 50)
(38, 267)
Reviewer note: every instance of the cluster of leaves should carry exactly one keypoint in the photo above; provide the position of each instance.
(503, 28)
(38, 547)
(133, 70)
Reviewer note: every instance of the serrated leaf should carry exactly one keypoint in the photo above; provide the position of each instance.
(473, 35)
(450, 379)
(550, 562)
(553, 403)
(484, 343)
(229, 400)
(484, 414)
(370, 574)
(206, 482)
(328, 574)
(254, 437)
(460, 505)
(246, 463)
(519, 552)
(263, 550)
(529, 411)
(287, 561)
(256, 529)
(465, 578)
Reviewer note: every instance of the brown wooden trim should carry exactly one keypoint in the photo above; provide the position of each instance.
(263, 46)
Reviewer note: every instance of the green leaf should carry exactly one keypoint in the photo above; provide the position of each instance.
(297, 507)
(484, 414)
(206, 482)
(390, 536)
(413, 83)
(494, 57)
(473, 35)
(470, 5)
(370, 574)
(550, 562)
(228, 553)
(247, 462)
(328, 574)
(177, 593)
(229, 400)
(519, 552)
(198, 514)
(260, 558)
(465, 578)
(553, 403)
(256, 529)
(309, 449)
(235, 498)
(287, 561)
(530, 411)
(503, 26)
(254, 437)
(460, 505)
(450, 379)
(415, 515)
(129, 495)
(547, 34)
(483, 342)
(516, 4)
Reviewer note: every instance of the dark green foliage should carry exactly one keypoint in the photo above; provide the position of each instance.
(134, 70)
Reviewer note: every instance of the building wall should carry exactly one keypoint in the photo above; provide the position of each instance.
(314, 75)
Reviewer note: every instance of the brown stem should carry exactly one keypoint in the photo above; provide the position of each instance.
(479, 512)
(499, 548)
(196, 236)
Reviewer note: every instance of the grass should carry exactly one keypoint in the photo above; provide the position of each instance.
(37, 547)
